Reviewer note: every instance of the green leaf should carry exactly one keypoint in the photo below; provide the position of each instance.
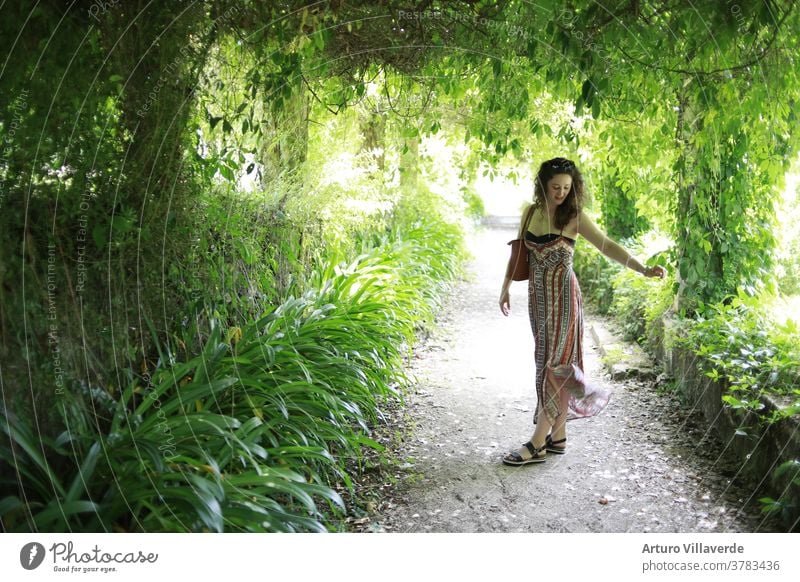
(319, 40)
(587, 91)
(9, 504)
(57, 513)
(100, 236)
(85, 474)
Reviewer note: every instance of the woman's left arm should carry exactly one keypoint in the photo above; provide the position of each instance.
(588, 229)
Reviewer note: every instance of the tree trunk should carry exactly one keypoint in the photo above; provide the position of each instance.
(373, 129)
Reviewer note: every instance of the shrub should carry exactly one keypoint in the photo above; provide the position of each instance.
(741, 345)
(256, 427)
(595, 274)
(638, 302)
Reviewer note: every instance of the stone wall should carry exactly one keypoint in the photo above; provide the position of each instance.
(756, 447)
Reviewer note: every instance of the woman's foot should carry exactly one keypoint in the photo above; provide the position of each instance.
(557, 446)
(527, 454)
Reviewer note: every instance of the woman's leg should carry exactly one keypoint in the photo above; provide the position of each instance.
(543, 427)
(560, 425)
(537, 440)
(543, 424)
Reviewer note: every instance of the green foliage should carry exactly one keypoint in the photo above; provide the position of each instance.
(595, 274)
(787, 476)
(787, 254)
(639, 302)
(253, 431)
(738, 344)
(621, 219)
(475, 208)
(789, 265)
(727, 223)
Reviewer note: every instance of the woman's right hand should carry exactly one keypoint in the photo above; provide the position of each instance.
(505, 302)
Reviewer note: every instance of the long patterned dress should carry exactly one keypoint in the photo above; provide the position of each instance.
(555, 308)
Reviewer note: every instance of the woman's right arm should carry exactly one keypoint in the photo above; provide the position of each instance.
(505, 303)
(505, 300)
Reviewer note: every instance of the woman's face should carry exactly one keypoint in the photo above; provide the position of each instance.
(558, 188)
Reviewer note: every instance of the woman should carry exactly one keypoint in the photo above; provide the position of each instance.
(555, 307)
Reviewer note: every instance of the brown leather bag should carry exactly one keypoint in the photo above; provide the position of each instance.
(517, 269)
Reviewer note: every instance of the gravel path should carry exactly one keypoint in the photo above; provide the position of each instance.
(639, 466)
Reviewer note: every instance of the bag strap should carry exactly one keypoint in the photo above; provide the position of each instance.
(527, 219)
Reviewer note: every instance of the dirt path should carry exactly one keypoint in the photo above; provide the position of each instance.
(637, 467)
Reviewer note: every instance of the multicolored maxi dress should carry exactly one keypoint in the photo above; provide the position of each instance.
(555, 308)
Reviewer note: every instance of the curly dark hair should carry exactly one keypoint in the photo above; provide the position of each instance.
(573, 203)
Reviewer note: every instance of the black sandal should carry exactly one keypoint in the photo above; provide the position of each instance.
(551, 445)
(537, 455)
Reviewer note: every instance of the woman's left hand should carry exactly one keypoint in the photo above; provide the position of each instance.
(656, 271)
